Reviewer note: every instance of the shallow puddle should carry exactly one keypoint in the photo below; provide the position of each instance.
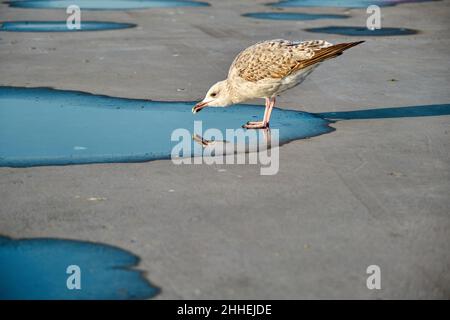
(42, 126)
(104, 4)
(363, 31)
(61, 26)
(293, 16)
(387, 113)
(38, 269)
(341, 3)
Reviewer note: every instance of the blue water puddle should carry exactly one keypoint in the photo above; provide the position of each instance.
(105, 4)
(61, 26)
(341, 3)
(363, 31)
(386, 113)
(42, 126)
(293, 16)
(37, 269)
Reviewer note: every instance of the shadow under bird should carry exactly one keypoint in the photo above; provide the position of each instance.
(266, 69)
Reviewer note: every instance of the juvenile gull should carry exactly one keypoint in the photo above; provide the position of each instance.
(266, 69)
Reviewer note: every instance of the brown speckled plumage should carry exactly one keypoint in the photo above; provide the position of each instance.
(279, 58)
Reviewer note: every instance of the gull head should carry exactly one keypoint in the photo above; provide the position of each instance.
(217, 96)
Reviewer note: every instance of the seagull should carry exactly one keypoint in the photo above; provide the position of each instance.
(266, 69)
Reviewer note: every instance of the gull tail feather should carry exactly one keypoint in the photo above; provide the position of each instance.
(327, 53)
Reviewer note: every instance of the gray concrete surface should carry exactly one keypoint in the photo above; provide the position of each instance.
(372, 192)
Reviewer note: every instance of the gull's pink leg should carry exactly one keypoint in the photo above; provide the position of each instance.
(269, 111)
(260, 124)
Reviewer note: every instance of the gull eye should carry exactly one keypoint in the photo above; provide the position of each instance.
(213, 94)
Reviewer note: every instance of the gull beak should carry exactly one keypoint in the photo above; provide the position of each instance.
(199, 106)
